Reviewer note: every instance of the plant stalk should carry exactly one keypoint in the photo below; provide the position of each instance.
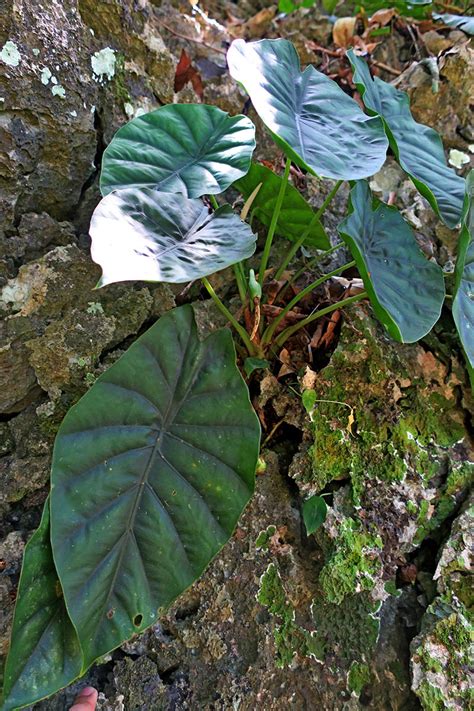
(214, 202)
(284, 335)
(224, 310)
(291, 252)
(312, 262)
(267, 336)
(273, 223)
(240, 279)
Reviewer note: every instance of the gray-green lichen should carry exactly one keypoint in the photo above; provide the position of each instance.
(10, 55)
(405, 459)
(290, 638)
(442, 656)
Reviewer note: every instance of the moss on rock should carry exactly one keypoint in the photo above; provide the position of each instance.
(354, 564)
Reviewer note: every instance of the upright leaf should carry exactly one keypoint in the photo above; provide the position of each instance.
(417, 148)
(143, 234)
(295, 214)
(44, 652)
(314, 513)
(181, 148)
(317, 125)
(151, 471)
(406, 290)
(463, 304)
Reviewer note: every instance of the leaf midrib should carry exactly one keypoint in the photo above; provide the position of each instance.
(145, 476)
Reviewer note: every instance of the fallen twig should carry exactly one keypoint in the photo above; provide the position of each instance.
(192, 39)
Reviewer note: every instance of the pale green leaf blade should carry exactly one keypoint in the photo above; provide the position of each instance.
(417, 148)
(142, 234)
(151, 471)
(44, 655)
(317, 125)
(406, 290)
(463, 304)
(295, 214)
(191, 149)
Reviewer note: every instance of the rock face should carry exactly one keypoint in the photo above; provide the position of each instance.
(369, 612)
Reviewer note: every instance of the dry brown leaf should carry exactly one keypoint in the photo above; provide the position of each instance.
(257, 26)
(343, 31)
(185, 72)
(382, 17)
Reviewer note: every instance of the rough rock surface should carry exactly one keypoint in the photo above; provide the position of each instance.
(280, 620)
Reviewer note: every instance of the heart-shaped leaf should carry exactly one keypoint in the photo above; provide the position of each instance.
(406, 290)
(151, 471)
(417, 148)
(295, 214)
(463, 304)
(317, 125)
(44, 652)
(181, 148)
(141, 234)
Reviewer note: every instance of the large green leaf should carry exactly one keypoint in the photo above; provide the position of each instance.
(181, 148)
(317, 125)
(151, 471)
(44, 653)
(406, 290)
(417, 148)
(142, 234)
(295, 214)
(463, 304)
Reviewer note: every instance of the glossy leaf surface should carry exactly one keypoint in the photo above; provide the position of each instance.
(317, 125)
(463, 304)
(417, 148)
(151, 471)
(295, 214)
(44, 654)
(406, 290)
(191, 149)
(141, 234)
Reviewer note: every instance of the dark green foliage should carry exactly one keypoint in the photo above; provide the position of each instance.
(44, 654)
(143, 234)
(463, 304)
(406, 290)
(317, 125)
(191, 149)
(150, 473)
(417, 148)
(295, 214)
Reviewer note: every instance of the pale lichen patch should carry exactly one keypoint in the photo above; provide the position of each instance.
(10, 54)
(103, 64)
(45, 76)
(58, 90)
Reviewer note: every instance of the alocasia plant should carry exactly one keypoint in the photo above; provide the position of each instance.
(154, 465)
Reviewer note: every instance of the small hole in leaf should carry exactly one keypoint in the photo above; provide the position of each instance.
(137, 620)
(110, 613)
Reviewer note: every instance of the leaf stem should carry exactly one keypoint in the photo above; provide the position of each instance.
(273, 223)
(312, 262)
(241, 284)
(224, 310)
(214, 202)
(267, 336)
(295, 247)
(284, 335)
